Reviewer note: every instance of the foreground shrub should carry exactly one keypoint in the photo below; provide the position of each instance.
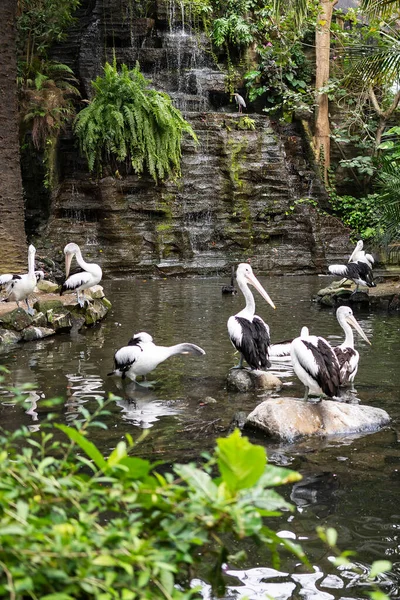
(77, 524)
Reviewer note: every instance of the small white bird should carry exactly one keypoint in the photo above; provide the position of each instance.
(248, 333)
(315, 364)
(239, 101)
(346, 354)
(90, 276)
(141, 355)
(19, 287)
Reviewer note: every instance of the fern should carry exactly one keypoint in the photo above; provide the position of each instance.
(127, 121)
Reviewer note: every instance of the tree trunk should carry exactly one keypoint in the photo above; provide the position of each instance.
(13, 250)
(322, 50)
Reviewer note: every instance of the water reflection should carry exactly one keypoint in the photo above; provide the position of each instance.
(142, 407)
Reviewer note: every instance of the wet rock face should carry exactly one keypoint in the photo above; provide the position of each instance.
(234, 202)
(238, 196)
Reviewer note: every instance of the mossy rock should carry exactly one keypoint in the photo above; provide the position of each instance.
(16, 320)
(45, 305)
(36, 333)
(59, 321)
(9, 337)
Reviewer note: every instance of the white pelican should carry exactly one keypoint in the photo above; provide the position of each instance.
(90, 276)
(248, 332)
(239, 101)
(19, 287)
(141, 355)
(280, 351)
(315, 364)
(346, 354)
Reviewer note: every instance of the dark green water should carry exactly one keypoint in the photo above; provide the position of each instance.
(350, 483)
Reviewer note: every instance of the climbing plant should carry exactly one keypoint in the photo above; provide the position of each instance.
(128, 121)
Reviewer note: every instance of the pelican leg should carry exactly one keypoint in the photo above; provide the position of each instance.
(240, 365)
(81, 301)
(30, 310)
(306, 393)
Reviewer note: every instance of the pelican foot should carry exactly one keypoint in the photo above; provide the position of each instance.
(83, 301)
(237, 367)
(146, 384)
(30, 312)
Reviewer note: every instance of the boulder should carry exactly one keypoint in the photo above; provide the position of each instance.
(95, 292)
(36, 333)
(9, 337)
(288, 419)
(46, 305)
(17, 320)
(59, 321)
(244, 380)
(47, 287)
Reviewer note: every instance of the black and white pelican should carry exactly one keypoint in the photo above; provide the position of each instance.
(247, 331)
(315, 364)
(280, 351)
(90, 275)
(19, 287)
(346, 354)
(360, 272)
(141, 355)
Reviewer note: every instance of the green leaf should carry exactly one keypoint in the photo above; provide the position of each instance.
(241, 463)
(57, 596)
(378, 567)
(331, 536)
(86, 446)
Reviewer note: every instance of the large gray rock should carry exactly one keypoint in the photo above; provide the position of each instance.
(288, 419)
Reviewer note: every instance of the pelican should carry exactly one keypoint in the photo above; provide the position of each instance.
(360, 272)
(360, 255)
(141, 355)
(19, 287)
(315, 364)
(347, 356)
(90, 276)
(248, 332)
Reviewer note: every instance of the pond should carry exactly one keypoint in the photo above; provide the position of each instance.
(351, 483)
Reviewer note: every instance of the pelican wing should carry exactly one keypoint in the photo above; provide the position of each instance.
(280, 349)
(253, 342)
(324, 365)
(348, 362)
(7, 278)
(125, 357)
(340, 270)
(75, 281)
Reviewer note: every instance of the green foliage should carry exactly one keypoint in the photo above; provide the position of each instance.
(360, 214)
(246, 123)
(75, 523)
(40, 24)
(128, 121)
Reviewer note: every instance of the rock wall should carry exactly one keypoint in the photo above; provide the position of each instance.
(240, 195)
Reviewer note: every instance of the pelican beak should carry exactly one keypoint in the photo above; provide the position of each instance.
(352, 321)
(68, 260)
(252, 279)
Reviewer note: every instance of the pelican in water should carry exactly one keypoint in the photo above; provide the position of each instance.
(20, 287)
(141, 355)
(315, 364)
(346, 354)
(248, 332)
(90, 275)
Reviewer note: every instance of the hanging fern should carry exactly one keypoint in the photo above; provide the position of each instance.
(128, 121)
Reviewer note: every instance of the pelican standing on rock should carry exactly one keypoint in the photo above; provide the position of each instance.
(248, 332)
(359, 254)
(346, 354)
(19, 287)
(315, 364)
(90, 275)
(141, 355)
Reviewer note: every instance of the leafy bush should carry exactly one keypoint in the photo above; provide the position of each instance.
(128, 121)
(360, 214)
(77, 524)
